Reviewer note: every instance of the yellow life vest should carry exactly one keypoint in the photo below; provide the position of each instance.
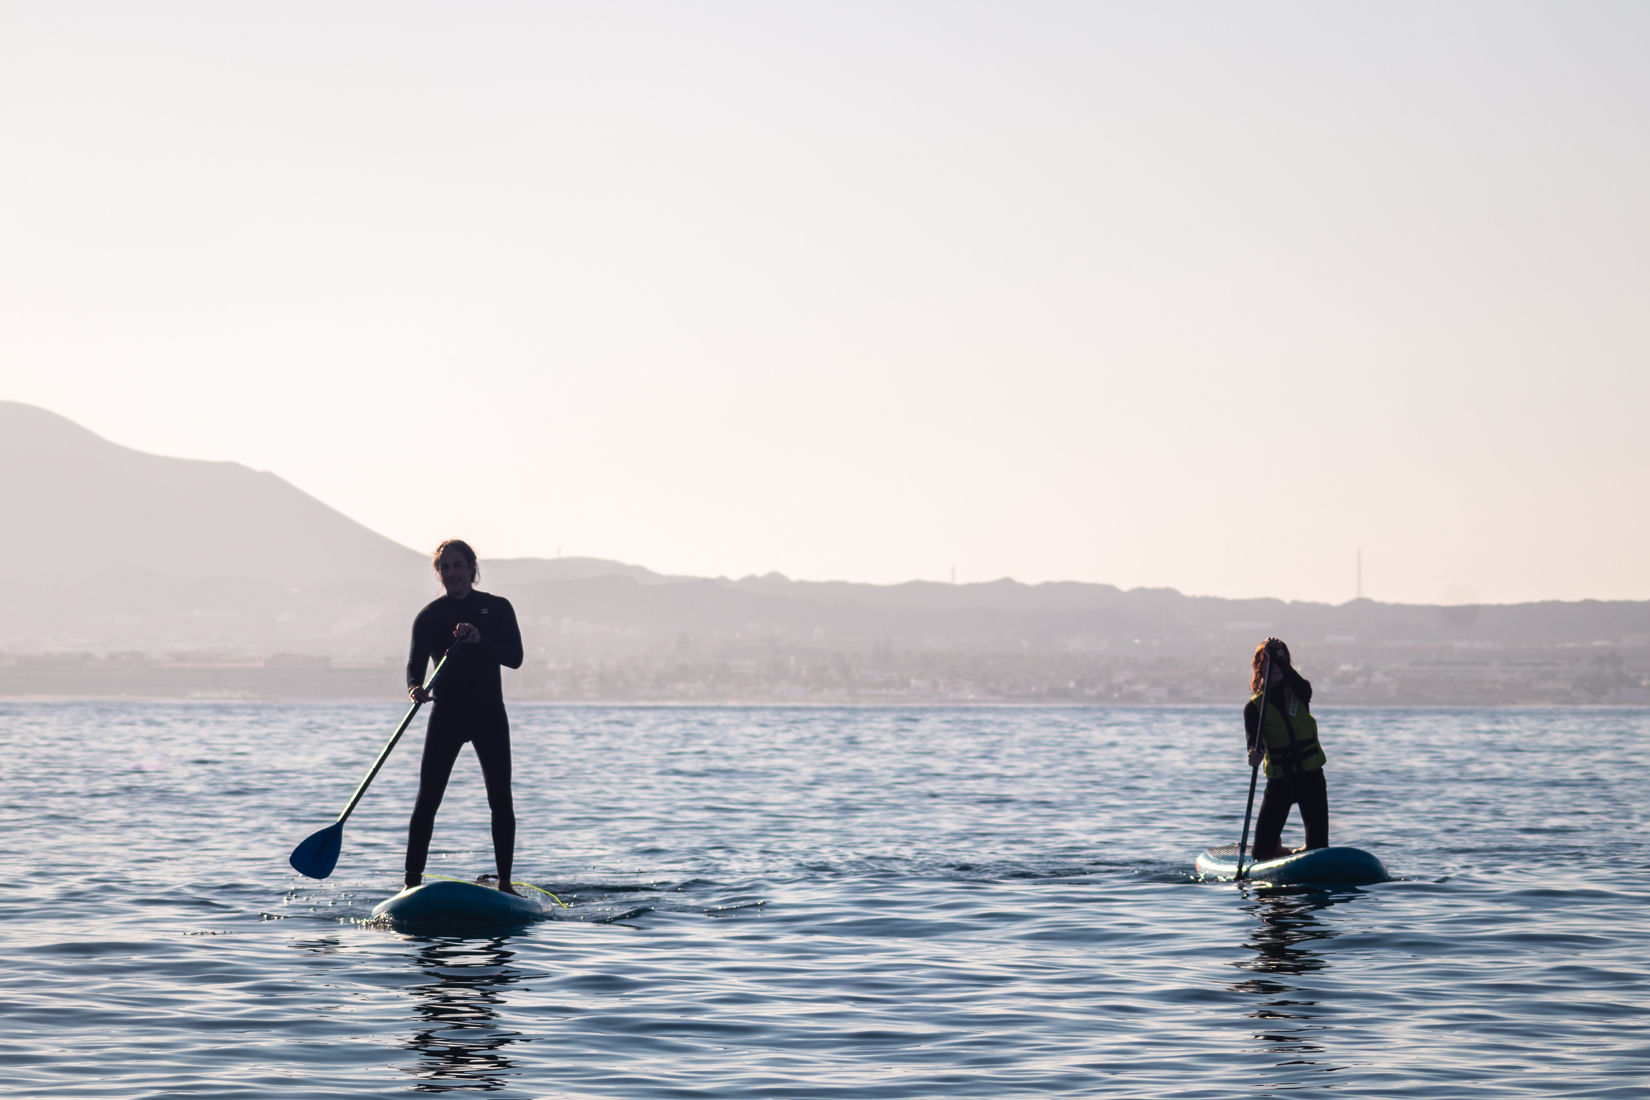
(1290, 734)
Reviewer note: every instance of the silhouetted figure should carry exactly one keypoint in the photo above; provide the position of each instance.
(469, 702)
(1287, 740)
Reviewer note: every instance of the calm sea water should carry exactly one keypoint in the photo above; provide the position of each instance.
(825, 903)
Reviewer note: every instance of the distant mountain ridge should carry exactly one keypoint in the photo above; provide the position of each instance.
(1006, 615)
(89, 505)
(128, 548)
(140, 551)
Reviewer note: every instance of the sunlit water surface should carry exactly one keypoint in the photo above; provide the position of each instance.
(825, 903)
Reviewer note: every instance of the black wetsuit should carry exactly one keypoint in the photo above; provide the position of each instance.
(469, 706)
(1305, 789)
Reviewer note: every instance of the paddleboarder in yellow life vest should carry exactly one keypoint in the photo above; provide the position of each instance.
(469, 702)
(1287, 740)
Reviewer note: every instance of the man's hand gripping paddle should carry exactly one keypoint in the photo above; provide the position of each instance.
(1254, 769)
(318, 854)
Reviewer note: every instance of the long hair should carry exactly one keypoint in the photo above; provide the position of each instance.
(463, 548)
(1257, 678)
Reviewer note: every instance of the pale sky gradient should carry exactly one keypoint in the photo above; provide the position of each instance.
(1194, 295)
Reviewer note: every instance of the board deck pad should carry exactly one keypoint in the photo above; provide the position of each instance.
(1335, 865)
(458, 904)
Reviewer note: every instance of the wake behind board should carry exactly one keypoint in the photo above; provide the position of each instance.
(1326, 866)
(458, 905)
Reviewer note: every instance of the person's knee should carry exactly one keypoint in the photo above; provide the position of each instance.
(424, 809)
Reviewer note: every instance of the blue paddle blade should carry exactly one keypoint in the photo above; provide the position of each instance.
(318, 854)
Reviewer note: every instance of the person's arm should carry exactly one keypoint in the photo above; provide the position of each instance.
(1300, 685)
(506, 647)
(418, 659)
(1251, 731)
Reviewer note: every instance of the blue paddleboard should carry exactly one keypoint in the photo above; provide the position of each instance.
(1328, 866)
(458, 904)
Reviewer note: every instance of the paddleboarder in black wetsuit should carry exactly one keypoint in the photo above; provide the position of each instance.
(1288, 742)
(469, 702)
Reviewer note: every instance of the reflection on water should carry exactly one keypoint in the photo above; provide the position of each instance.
(163, 947)
(1283, 946)
(321, 945)
(460, 1045)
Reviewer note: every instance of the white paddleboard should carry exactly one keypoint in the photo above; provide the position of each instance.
(1328, 866)
(463, 904)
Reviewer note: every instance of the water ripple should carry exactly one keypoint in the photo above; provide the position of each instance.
(827, 903)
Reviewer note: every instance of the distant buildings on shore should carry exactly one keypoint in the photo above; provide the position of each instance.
(753, 670)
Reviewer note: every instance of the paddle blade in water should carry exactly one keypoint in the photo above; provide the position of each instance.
(318, 855)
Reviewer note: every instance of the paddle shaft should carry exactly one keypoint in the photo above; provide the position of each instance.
(396, 736)
(1254, 769)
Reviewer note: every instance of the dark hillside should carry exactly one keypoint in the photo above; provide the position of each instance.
(139, 549)
(133, 552)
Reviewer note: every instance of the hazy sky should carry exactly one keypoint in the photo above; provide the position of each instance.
(1196, 295)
